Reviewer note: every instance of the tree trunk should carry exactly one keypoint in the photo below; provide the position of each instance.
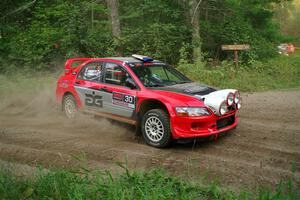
(196, 40)
(186, 10)
(113, 6)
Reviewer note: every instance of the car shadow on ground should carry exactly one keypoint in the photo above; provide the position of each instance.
(184, 144)
(201, 142)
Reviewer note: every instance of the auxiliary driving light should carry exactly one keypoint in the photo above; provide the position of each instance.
(237, 97)
(230, 99)
(238, 105)
(223, 108)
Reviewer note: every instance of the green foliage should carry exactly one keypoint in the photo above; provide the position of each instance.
(155, 184)
(240, 22)
(277, 73)
(39, 34)
(153, 28)
(287, 13)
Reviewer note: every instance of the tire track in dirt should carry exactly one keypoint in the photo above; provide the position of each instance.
(264, 149)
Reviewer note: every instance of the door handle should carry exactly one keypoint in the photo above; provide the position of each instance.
(77, 82)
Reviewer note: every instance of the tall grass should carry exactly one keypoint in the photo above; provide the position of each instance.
(276, 73)
(155, 184)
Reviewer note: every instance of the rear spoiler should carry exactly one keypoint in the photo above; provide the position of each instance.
(68, 65)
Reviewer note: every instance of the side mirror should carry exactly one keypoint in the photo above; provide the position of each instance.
(130, 83)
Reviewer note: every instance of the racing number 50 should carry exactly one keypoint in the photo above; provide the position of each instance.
(93, 100)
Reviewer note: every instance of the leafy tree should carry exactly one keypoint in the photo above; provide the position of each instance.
(40, 34)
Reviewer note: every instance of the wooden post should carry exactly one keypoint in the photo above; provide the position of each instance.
(236, 48)
(236, 58)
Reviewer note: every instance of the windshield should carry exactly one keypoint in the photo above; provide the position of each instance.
(159, 75)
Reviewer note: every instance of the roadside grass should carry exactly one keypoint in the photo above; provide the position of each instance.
(281, 72)
(154, 184)
(276, 73)
(19, 82)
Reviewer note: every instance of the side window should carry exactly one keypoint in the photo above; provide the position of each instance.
(115, 74)
(91, 72)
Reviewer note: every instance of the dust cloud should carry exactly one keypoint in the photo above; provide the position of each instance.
(31, 100)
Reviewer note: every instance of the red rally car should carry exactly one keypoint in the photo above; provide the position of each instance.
(163, 103)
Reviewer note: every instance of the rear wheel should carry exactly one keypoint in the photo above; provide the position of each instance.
(69, 106)
(156, 128)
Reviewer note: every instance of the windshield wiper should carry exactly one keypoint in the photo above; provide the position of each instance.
(155, 85)
(182, 82)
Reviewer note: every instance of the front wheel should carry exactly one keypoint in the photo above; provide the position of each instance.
(156, 128)
(69, 106)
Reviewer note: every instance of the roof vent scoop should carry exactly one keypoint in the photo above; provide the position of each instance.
(142, 58)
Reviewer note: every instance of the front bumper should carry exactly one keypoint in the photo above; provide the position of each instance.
(191, 127)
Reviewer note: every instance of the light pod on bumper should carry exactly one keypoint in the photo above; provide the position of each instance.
(227, 95)
(223, 108)
(238, 105)
(235, 93)
(237, 97)
(220, 100)
(217, 103)
(230, 99)
(229, 92)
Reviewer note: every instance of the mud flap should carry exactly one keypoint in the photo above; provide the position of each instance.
(216, 137)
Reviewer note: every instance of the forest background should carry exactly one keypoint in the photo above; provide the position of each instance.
(39, 35)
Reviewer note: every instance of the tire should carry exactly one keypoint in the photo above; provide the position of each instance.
(69, 106)
(156, 128)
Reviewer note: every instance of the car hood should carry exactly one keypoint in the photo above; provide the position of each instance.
(191, 89)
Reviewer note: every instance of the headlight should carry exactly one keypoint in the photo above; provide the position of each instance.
(239, 105)
(223, 108)
(237, 97)
(230, 99)
(192, 111)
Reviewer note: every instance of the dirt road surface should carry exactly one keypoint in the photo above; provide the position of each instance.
(264, 149)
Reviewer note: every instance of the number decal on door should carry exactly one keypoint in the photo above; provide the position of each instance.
(93, 100)
(128, 99)
(123, 100)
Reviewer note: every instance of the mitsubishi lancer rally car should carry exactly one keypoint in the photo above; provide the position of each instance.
(161, 102)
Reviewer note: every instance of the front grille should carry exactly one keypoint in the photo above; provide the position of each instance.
(231, 108)
(222, 123)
